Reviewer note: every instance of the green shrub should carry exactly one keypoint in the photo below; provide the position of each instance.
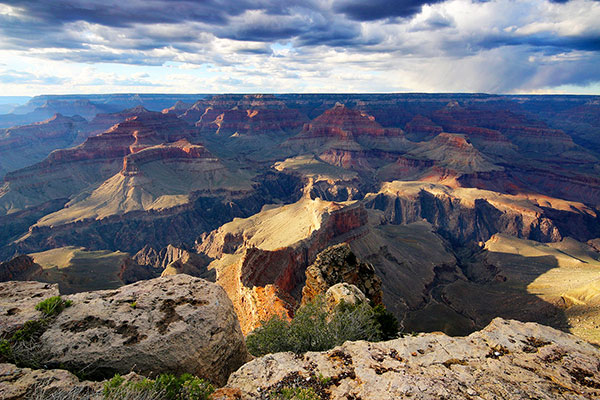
(295, 393)
(53, 306)
(354, 322)
(23, 347)
(309, 329)
(271, 337)
(165, 386)
(387, 321)
(5, 350)
(313, 328)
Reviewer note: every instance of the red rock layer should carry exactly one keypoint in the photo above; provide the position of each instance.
(181, 150)
(499, 125)
(250, 121)
(421, 128)
(345, 124)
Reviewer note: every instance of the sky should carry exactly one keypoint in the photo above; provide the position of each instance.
(293, 46)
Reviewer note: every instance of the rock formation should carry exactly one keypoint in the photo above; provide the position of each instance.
(338, 264)
(471, 214)
(507, 359)
(260, 261)
(343, 293)
(22, 146)
(90, 163)
(348, 138)
(17, 303)
(20, 268)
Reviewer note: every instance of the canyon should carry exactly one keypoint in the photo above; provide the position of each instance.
(467, 207)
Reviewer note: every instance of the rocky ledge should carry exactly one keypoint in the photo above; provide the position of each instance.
(506, 360)
(180, 324)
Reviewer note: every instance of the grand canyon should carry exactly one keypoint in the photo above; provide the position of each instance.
(299, 200)
(468, 207)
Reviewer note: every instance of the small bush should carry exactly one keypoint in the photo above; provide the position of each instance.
(165, 386)
(53, 306)
(23, 347)
(387, 321)
(295, 393)
(5, 350)
(271, 337)
(313, 328)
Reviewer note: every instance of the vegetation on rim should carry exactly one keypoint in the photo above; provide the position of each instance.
(313, 328)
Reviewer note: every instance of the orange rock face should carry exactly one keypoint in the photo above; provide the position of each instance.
(262, 283)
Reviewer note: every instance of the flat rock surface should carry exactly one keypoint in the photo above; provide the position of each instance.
(506, 360)
(18, 301)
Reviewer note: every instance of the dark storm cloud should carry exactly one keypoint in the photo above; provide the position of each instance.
(545, 42)
(131, 25)
(120, 13)
(360, 10)
(124, 13)
(375, 35)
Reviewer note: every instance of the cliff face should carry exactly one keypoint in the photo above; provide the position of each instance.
(22, 146)
(88, 164)
(475, 215)
(133, 230)
(21, 268)
(261, 261)
(248, 115)
(342, 129)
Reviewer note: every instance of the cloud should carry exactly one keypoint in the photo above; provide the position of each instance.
(379, 9)
(20, 77)
(383, 45)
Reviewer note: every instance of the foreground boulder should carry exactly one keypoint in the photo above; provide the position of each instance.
(176, 324)
(506, 360)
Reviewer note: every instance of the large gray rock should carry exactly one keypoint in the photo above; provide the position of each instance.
(178, 324)
(174, 324)
(506, 360)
